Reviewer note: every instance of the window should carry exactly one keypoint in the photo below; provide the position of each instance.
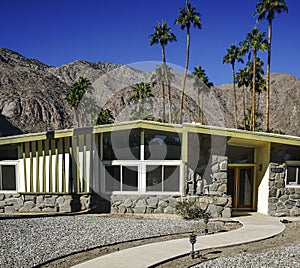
(121, 178)
(162, 178)
(8, 177)
(161, 145)
(141, 161)
(122, 145)
(240, 155)
(293, 173)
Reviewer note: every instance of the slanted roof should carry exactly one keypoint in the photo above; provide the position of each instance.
(236, 136)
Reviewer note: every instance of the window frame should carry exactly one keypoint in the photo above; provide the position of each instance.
(10, 163)
(163, 164)
(142, 175)
(295, 164)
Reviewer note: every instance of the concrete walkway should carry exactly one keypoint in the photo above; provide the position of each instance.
(255, 227)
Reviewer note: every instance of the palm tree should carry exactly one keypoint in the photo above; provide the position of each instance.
(75, 94)
(243, 79)
(141, 91)
(260, 87)
(199, 75)
(159, 78)
(162, 35)
(187, 16)
(90, 109)
(105, 117)
(266, 9)
(247, 119)
(259, 80)
(255, 41)
(233, 54)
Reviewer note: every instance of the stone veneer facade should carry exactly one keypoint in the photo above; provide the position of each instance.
(212, 197)
(10, 203)
(282, 201)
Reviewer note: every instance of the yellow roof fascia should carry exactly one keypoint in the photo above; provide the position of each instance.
(256, 137)
(243, 134)
(138, 124)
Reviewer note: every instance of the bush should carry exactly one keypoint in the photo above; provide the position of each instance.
(189, 209)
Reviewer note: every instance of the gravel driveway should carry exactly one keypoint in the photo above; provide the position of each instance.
(28, 242)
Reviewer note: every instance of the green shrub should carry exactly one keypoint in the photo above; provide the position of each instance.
(189, 209)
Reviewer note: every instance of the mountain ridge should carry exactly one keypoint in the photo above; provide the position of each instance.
(32, 95)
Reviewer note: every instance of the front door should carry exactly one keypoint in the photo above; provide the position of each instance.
(240, 186)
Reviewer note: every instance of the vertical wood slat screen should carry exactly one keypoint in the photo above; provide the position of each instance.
(62, 165)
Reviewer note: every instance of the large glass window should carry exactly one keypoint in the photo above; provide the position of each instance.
(8, 178)
(121, 178)
(293, 174)
(112, 178)
(161, 145)
(240, 155)
(122, 145)
(162, 178)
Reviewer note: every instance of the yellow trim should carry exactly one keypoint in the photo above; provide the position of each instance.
(37, 159)
(56, 165)
(196, 128)
(184, 147)
(242, 165)
(242, 134)
(44, 165)
(84, 161)
(24, 164)
(29, 149)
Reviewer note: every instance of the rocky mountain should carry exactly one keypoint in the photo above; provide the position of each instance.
(32, 96)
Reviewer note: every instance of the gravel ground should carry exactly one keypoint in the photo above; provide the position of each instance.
(280, 251)
(27, 242)
(285, 257)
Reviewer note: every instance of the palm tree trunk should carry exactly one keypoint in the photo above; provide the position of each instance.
(164, 101)
(76, 117)
(258, 100)
(199, 104)
(201, 101)
(268, 77)
(234, 98)
(244, 106)
(253, 92)
(185, 73)
(168, 83)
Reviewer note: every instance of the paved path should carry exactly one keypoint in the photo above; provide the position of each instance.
(255, 227)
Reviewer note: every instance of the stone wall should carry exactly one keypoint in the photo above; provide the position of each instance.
(147, 204)
(282, 201)
(10, 203)
(212, 197)
(218, 186)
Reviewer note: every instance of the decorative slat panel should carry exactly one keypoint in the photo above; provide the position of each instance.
(53, 164)
(48, 166)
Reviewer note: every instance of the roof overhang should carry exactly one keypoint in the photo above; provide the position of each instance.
(236, 137)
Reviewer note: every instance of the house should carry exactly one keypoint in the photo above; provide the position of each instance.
(147, 167)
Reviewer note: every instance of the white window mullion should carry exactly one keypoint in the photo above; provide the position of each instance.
(121, 178)
(162, 177)
(142, 149)
(143, 178)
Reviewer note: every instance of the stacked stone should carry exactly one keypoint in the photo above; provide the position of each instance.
(140, 204)
(218, 175)
(215, 206)
(283, 201)
(10, 203)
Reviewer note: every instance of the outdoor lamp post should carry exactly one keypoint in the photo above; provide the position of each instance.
(193, 239)
(205, 220)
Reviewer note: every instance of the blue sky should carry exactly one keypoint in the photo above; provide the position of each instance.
(60, 31)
